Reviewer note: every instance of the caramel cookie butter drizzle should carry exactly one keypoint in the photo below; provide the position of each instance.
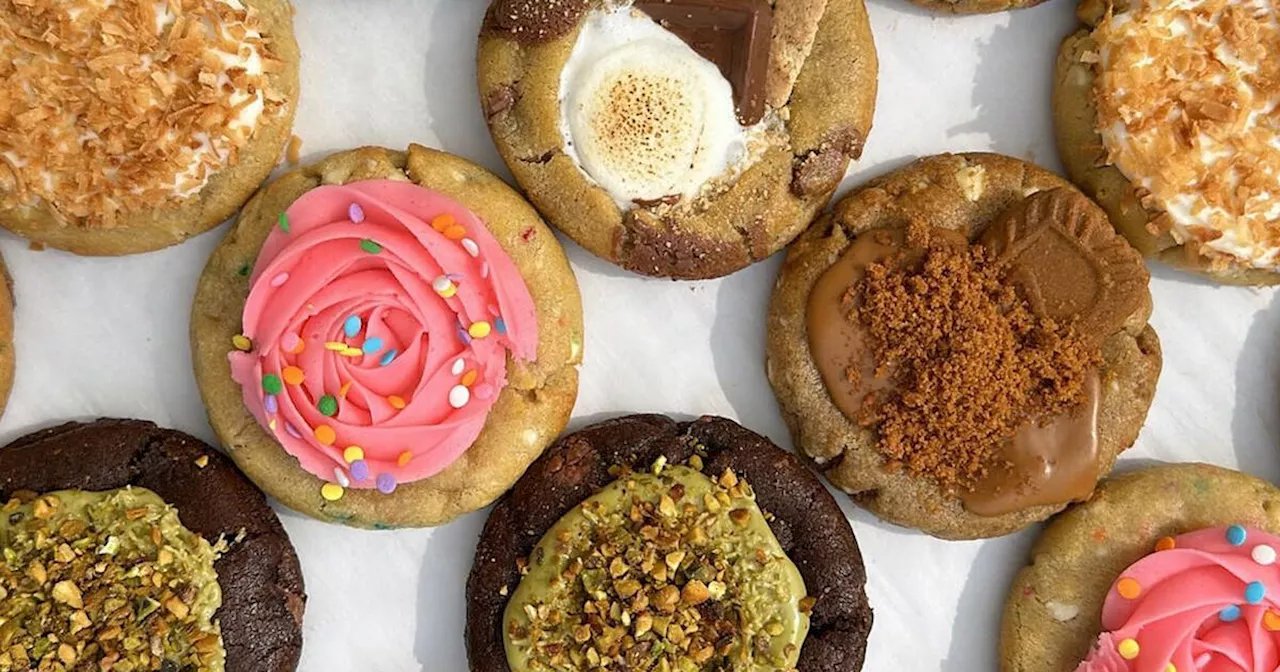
(977, 364)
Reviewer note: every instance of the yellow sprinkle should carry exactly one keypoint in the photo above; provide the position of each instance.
(331, 491)
(342, 391)
(479, 329)
(271, 424)
(448, 292)
(325, 435)
(1128, 649)
(353, 453)
(404, 458)
(353, 352)
(442, 222)
(469, 378)
(293, 375)
(335, 345)
(242, 342)
(396, 402)
(1170, 667)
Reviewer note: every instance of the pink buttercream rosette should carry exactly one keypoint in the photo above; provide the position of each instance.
(380, 316)
(1208, 604)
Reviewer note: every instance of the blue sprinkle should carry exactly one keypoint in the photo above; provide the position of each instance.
(500, 325)
(372, 345)
(352, 326)
(355, 213)
(360, 470)
(270, 404)
(388, 357)
(1254, 592)
(1236, 535)
(1229, 614)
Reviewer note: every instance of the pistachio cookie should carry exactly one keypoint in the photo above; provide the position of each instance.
(117, 532)
(387, 339)
(1167, 568)
(678, 138)
(962, 345)
(1179, 143)
(132, 125)
(646, 543)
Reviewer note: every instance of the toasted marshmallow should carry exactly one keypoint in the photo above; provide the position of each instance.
(644, 115)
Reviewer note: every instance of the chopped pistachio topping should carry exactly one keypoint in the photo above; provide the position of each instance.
(105, 581)
(663, 571)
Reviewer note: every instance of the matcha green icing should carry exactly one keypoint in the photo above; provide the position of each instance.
(666, 571)
(105, 581)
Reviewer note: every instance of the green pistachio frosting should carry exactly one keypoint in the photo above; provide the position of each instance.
(668, 571)
(105, 580)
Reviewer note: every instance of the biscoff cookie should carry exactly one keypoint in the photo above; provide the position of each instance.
(962, 345)
(678, 138)
(129, 126)
(1168, 568)
(387, 339)
(1178, 144)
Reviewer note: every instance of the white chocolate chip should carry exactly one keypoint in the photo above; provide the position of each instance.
(1062, 612)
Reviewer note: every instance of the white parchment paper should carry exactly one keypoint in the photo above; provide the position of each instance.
(109, 336)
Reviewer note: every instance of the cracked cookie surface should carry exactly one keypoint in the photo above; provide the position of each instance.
(527, 414)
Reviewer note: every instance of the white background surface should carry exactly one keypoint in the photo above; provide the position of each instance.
(109, 336)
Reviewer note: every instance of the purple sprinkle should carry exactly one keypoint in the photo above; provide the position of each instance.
(464, 336)
(355, 213)
(279, 279)
(484, 391)
(500, 325)
(292, 431)
(386, 483)
(270, 404)
(360, 470)
(454, 276)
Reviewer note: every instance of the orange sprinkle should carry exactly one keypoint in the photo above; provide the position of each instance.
(1128, 588)
(1099, 534)
(404, 458)
(455, 232)
(342, 391)
(293, 375)
(396, 402)
(297, 349)
(1165, 544)
(325, 435)
(443, 222)
(1271, 621)
(469, 378)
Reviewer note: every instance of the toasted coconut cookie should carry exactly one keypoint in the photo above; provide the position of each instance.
(1167, 568)
(701, 545)
(92, 506)
(684, 139)
(1180, 145)
(130, 126)
(962, 345)
(387, 339)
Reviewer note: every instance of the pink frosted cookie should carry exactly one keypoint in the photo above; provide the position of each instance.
(387, 339)
(1167, 569)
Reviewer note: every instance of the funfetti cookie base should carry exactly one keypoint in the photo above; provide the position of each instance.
(284, 416)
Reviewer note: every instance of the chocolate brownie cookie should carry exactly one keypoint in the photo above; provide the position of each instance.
(952, 328)
(258, 573)
(1140, 542)
(808, 526)
(684, 139)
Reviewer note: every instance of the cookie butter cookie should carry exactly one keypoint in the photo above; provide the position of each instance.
(132, 125)
(678, 138)
(1168, 568)
(386, 338)
(1179, 142)
(975, 6)
(643, 543)
(91, 507)
(962, 345)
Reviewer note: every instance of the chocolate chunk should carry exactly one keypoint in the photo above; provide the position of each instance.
(733, 34)
(534, 21)
(500, 100)
(821, 169)
(1068, 261)
(261, 581)
(805, 519)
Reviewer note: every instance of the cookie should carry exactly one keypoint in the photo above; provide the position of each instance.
(683, 139)
(909, 371)
(387, 339)
(7, 359)
(1130, 546)
(1152, 153)
(148, 138)
(804, 522)
(975, 6)
(258, 572)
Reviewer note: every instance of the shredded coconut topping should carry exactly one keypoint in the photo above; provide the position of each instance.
(112, 106)
(1188, 98)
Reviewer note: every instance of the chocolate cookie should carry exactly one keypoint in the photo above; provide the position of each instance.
(1161, 192)
(729, 127)
(136, 144)
(1044, 247)
(387, 339)
(261, 582)
(1054, 612)
(807, 523)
